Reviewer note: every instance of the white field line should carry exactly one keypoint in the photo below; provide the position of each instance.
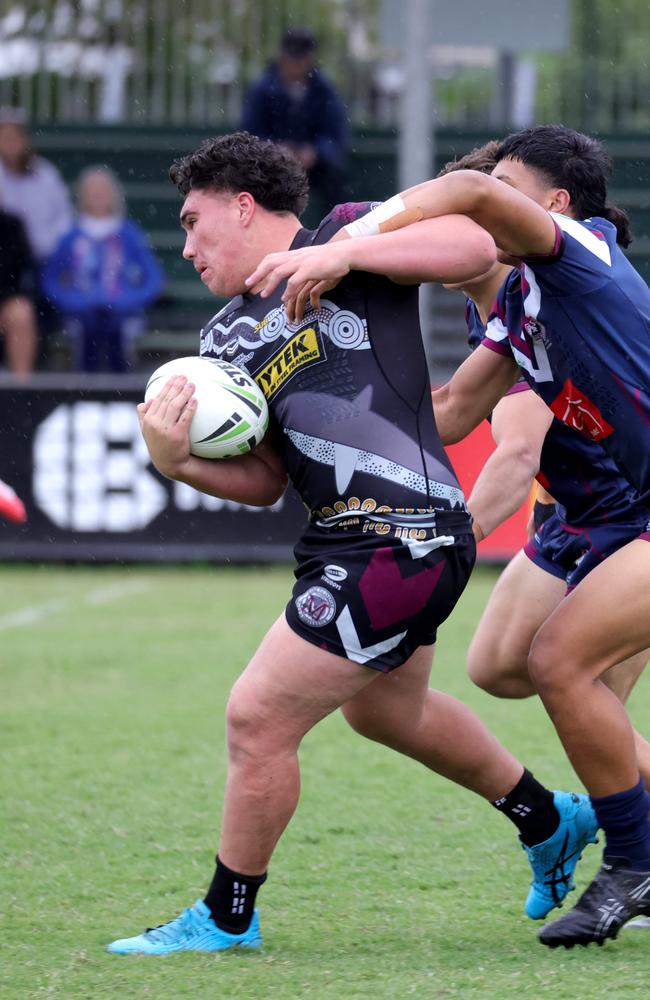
(101, 595)
(114, 591)
(31, 614)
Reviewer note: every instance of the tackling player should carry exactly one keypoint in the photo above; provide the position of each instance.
(597, 511)
(582, 339)
(389, 545)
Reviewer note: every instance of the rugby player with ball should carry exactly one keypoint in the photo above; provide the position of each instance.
(578, 330)
(389, 544)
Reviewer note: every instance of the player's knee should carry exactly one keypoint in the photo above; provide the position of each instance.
(258, 726)
(246, 728)
(547, 666)
(370, 722)
(510, 682)
(496, 675)
(483, 664)
(479, 672)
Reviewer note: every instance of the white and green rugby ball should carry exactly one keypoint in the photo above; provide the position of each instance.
(231, 415)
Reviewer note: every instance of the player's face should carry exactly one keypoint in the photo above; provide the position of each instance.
(525, 179)
(214, 240)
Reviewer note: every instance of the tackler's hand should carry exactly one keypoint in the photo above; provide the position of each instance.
(308, 272)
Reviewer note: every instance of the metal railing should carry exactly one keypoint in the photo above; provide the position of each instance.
(171, 61)
(190, 61)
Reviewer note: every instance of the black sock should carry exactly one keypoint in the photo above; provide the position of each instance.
(231, 898)
(531, 808)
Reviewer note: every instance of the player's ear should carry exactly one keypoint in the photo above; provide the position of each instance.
(560, 201)
(246, 204)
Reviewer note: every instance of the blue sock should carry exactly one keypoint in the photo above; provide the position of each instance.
(625, 819)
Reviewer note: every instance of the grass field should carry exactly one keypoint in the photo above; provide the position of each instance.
(389, 883)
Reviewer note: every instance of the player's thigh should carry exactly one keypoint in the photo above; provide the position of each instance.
(290, 684)
(522, 598)
(395, 699)
(605, 620)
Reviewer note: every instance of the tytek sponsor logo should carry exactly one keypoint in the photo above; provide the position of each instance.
(316, 607)
(303, 349)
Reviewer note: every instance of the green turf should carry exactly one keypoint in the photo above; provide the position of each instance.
(389, 883)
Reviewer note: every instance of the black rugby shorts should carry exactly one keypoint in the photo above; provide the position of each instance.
(375, 600)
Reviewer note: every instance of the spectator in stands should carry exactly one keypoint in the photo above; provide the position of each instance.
(103, 275)
(293, 103)
(31, 187)
(17, 313)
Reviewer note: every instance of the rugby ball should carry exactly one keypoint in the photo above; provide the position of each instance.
(231, 415)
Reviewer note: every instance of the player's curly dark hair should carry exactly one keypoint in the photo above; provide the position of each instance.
(574, 161)
(481, 158)
(242, 162)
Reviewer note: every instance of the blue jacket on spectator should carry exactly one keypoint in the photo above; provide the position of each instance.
(91, 269)
(316, 117)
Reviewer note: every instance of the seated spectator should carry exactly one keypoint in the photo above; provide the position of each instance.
(293, 103)
(17, 313)
(102, 276)
(31, 187)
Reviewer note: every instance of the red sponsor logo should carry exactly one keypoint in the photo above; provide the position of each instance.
(574, 408)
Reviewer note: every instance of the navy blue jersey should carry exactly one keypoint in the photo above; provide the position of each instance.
(348, 391)
(581, 334)
(577, 472)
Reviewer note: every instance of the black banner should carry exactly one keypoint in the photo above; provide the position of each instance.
(70, 445)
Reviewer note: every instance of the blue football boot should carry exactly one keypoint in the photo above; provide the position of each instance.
(554, 860)
(194, 930)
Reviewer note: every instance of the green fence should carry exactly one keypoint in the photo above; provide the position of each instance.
(141, 158)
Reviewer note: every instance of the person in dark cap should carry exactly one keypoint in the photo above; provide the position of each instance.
(293, 103)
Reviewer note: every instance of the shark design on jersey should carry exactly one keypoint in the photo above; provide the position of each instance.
(355, 420)
(343, 327)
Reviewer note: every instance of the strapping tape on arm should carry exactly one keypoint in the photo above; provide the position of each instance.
(385, 218)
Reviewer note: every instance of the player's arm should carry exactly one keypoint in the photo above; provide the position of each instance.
(472, 393)
(258, 478)
(519, 226)
(519, 424)
(450, 249)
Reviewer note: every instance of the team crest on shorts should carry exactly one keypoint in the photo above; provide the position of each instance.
(316, 607)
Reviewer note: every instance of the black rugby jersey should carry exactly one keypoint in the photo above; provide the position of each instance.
(348, 390)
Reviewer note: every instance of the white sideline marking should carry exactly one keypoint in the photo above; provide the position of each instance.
(102, 595)
(114, 591)
(34, 613)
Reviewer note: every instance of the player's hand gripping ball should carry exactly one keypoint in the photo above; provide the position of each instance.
(231, 414)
